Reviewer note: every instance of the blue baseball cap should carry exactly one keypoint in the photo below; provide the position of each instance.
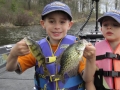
(56, 6)
(115, 14)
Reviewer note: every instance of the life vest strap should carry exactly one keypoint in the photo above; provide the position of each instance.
(54, 78)
(108, 55)
(51, 78)
(108, 73)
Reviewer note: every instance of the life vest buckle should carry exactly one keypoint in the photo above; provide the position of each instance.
(118, 56)
(111, 55)
(54, 78)
(50, 59)
(114, 74)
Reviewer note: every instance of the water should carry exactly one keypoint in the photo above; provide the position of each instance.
(13, 35)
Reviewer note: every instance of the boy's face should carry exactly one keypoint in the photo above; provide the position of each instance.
(56, 25)
(110, 29)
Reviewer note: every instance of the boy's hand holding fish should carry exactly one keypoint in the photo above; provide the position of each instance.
(90, 67)
(89, 52)
(20, 49)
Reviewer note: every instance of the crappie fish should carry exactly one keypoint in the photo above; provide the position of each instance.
(70, 58)
(36, 50)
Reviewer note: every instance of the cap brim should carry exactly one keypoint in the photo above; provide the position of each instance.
(52, 9)
(57, 10)
(114, 17)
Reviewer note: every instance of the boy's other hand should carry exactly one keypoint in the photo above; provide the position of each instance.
(20, 49)
(89, 52)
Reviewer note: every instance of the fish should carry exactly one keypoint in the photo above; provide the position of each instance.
(70, 58)
(36, 51)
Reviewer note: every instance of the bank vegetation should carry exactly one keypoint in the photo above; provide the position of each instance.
(27, 12)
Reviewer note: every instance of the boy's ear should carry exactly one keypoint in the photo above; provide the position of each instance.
(42, 24)
(70, 24)
(101, 28)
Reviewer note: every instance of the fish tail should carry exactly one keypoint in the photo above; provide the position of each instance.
(45, 71)
(62, 79)
(39, 64)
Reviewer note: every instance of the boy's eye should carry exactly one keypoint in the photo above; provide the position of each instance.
(62, 22)
(51, 21)
(116, 25)
(105, 24)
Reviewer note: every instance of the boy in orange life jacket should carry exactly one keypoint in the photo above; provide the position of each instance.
(109, 62)
(56, 20)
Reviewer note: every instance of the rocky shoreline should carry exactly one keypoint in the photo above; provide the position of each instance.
(8, 25)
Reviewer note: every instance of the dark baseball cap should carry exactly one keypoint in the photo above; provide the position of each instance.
(56, 6)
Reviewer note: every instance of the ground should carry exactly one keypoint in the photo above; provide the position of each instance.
(13, 81)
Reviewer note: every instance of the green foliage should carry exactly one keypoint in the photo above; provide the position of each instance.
(20, 12)
(13, 7)
(2, 1)
(30, 13)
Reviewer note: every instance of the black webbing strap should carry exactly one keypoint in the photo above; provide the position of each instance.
(98, 81)
(108, 73)
(108, 55)
(111, 73)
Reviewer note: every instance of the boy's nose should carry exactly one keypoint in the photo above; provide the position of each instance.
(57, 25)
(109, 27)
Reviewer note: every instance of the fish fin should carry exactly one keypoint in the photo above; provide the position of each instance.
(25, 39)
(73, 72)
(39, 64)
(82, 59)
(45, 71)
(58, 59)
(62, 79)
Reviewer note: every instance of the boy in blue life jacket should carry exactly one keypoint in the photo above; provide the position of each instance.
(108, 52)
(56, 20)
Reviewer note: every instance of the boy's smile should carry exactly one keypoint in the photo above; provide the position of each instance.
(56, 34)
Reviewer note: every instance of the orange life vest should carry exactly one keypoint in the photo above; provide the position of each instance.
(109, 63)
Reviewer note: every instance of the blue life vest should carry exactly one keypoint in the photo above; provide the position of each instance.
(42, 82)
